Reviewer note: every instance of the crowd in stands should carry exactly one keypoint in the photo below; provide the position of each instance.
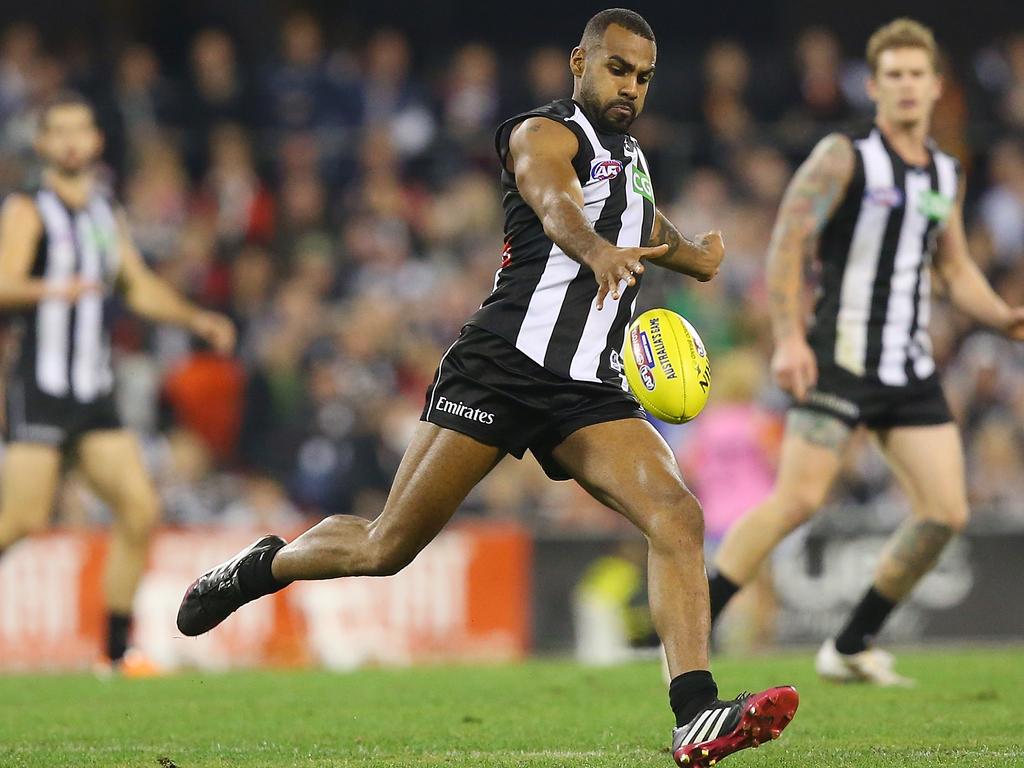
(342, 205)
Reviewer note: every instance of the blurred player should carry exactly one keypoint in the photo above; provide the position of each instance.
(880, 210)
(537, 367)
(64, 249)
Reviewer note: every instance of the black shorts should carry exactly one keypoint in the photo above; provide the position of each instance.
(32, 416)
(855, 400)
(486, 388)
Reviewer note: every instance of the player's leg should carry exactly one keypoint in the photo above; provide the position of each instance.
(111, 461)
(439, 469)
(644, 484)
(812, 454)
(28, 484)
(928, 462)
(627, 465)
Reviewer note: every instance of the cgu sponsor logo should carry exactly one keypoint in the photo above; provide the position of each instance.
(603, 170)
(658, 346)
(646, 377)
(890, 197)
(464, 411)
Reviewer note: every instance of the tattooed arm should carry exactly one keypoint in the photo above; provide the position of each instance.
(810, 200)
(697, 259)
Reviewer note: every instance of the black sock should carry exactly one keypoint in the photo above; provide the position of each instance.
(254, 576)
(689, 693)
(721, 590)
(865, 622)
(118, 626)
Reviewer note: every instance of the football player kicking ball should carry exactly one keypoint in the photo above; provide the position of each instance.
(537, 367)
(877, 208)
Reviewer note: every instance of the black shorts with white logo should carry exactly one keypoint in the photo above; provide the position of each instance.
(33, 416)
(855, 400)
(486, 388)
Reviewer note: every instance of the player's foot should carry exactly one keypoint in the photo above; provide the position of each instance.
(725, 727)
(217, 593)
(872, 666)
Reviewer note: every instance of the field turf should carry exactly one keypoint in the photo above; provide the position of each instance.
(965, 712)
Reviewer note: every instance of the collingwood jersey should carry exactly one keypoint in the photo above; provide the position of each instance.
(65, 346)
(543, 302)
(871, 316)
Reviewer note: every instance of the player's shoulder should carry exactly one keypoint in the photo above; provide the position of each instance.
(20, 207)
(557, 112)
(547, 123)
(559, 109)
(549, 126)
(834, 155)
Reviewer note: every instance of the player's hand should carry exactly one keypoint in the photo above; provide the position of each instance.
(216, 330)
(612, 264)
(794, 367)
(1015, 324)
(708, 256)
(72, 289)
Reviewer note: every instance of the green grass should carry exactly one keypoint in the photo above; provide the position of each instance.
(965, 712)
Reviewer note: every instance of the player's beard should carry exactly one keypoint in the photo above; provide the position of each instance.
(597, 111)
(71, 168)
(71, 171)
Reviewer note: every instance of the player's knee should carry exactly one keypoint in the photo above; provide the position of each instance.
(671, 517)
(949, 514)
(139, 514)
(388, 558)
(795, 506)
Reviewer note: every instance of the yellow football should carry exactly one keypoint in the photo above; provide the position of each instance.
(667, 366)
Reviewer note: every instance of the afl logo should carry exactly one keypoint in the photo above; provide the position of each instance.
(602, 170)
(890, 197)
(646, 377)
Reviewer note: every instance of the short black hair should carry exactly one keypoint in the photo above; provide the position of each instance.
(623, 17)
(64, 98)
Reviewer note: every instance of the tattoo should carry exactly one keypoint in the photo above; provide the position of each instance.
(812, 196)
(910, 553)
(664, 232)
(819, 429)
(683, 253)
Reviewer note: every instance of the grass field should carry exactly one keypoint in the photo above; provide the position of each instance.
(965, 712)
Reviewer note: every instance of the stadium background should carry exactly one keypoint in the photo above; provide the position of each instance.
(327, 177)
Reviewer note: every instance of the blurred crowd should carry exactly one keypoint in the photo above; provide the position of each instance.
(342, 205)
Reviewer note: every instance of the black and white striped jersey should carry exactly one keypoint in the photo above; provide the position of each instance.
(65, 346)
(543, 302)
(871, 315)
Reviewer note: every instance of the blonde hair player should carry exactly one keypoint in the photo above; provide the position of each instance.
(882, 210)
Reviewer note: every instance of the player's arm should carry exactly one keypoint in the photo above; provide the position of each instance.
(811, 198)
(968, 289)
(699, 259)
(20, 230)
(151, 297)
(540, 156)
